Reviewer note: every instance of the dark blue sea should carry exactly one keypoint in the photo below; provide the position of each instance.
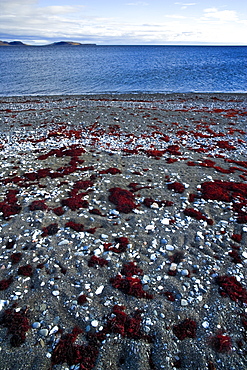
(55, 70)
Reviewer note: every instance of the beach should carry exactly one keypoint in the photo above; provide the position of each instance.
(123, 232)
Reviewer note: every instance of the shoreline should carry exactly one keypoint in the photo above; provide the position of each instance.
(64, 157)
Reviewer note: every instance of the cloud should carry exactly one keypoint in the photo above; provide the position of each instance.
(138, 3)
(185, 5)
(175, 16)
(220, 15)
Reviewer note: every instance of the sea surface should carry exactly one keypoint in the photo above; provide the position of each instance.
(55, 70)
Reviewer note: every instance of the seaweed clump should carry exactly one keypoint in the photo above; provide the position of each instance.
(221, 343)
(9, 206)
(17, 324)
(177, 187)
(185, 329)
(123, 199)
(229, 286)
(66, 351)
(5, 283)
(128, 284)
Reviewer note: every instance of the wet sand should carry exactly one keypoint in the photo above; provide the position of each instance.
(130, 200)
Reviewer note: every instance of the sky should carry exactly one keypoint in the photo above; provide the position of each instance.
(124, 22)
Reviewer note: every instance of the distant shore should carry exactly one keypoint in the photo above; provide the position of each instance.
(59, 43)
(125, 216)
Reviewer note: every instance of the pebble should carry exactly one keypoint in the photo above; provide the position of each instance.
(185, 272)
(44, 332)
(150, 228)
(165, 221)
(3, 303)
(99, 290)
(244, 254)
(173, 266)
(205, 324)
(169, 247)
(36, 325)
(145, 279)
(94, 323)
(63, 242)
(55, 293)
(54, 330)
(183, 302)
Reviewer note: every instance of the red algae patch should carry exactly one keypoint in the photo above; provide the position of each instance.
(131, 286)
(176, 186)
(185, 329)
(231, 287)
(111, 170)
(123, 199)
(120, 246)
(25, 270)
(9, 206)
(197, 215)
(38, 205)
(17, 324)
(66, 351)
(51, 229)
(16, 257)
(221, 343)
(126, 325)
(75, 226)
(97, 261)
(75, 202)
(5, 283)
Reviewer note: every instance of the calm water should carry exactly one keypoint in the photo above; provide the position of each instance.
(121, 69)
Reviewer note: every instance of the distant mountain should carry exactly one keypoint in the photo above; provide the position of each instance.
(12, 43)
(64, 43)
(60, 43)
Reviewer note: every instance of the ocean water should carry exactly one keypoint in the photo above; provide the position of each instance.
(49, 70)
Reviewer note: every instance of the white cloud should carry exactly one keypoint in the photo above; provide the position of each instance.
(138, 3)
(221, 15)
(185, 5)
(175, 16)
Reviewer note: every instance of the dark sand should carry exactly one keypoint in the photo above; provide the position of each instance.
(154, 141)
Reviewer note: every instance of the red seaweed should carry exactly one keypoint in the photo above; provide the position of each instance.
(75, 226)
(111, 170)
(59, 211)
(130, 269)
(197, 215)
(176, 186)
(9, 206)
(75, 202)
(66, 351)
(38, 205)
(16, 257)
(5, 283)
(17, 324)
(229, 286)
(26, 270)
(221, 343)
(186, 329)
(97, 261)
(123, 199)
(120, 247)
(131, 286)
(51, 229)
(82, 298)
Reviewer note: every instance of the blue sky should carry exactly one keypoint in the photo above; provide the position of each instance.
(124, 22)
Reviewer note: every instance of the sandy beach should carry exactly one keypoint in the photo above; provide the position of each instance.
(123, 231)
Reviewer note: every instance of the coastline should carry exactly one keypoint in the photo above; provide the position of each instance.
(161, 149)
